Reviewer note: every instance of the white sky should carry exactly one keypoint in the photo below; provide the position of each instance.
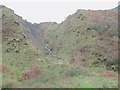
(37, 11)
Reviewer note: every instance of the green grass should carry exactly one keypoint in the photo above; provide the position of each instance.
(16, 63)
(55, 76)
(72, 36)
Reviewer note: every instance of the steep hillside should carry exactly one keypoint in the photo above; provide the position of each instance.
(118, 7)
(80, 52)
(91, 33)
(17, 52)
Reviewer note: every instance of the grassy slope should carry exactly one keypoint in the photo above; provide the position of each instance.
(66, 37)
(67, 40)
(14, 62)
(102, 38)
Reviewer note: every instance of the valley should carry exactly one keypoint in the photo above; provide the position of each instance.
(80, 52)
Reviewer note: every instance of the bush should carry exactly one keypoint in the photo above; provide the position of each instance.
(95, 28)
(112, 65)
(73, 72)
(32, 72)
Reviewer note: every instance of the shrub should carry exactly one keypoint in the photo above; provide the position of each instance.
(32, 72)
(112, 65)
(73, 72)
(95, 28)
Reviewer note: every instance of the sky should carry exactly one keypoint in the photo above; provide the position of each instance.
(37, 11)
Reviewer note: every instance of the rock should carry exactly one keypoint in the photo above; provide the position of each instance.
(17, 40)
(13, 48)
(59, 62)
(40, 60)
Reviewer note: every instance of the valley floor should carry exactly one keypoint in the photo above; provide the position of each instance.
(63, 75)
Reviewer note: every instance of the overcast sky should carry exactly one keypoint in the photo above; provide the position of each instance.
(37, 11)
